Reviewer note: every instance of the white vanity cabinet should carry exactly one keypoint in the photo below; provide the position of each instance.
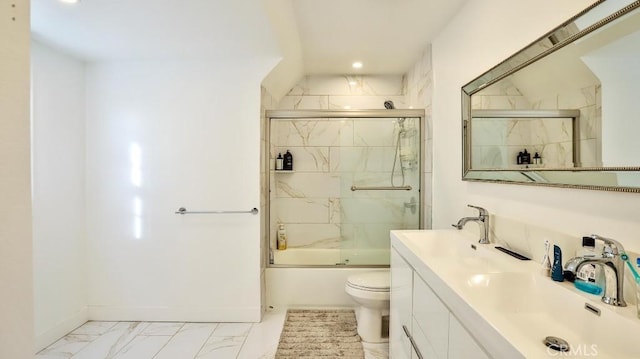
(432, 317)
(461, 343)
(400, 311)
(435, 331)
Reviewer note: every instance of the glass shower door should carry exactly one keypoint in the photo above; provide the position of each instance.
(379, 170)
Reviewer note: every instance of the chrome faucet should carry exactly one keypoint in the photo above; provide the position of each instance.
(611, 263)
(482, 220)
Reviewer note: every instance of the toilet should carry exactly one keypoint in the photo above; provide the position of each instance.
(371, 291)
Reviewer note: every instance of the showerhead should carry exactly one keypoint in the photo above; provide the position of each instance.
(389, 105)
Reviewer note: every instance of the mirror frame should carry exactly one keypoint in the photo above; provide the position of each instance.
(560, 37)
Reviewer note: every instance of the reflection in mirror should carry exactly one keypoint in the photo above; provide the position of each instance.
(506, 139)
(589, 67)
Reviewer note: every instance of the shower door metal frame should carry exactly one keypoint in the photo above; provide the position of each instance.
(334, 114)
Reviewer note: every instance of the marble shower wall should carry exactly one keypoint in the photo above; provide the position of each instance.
(315, 201)
(497, 144)
(319, 174)
(418, 90)
(344, 92)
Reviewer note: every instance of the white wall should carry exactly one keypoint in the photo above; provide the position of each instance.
(58, 145)
(16, 272)
(161, 135)
(620, 143)
(481, 35)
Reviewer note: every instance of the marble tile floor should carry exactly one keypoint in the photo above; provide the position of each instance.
(171, 340)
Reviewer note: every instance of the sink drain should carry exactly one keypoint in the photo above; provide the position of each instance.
(556, 343)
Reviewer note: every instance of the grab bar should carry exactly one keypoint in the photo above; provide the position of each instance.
(400, 188)
(183, 211)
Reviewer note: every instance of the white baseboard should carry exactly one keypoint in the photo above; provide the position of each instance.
(61, 329)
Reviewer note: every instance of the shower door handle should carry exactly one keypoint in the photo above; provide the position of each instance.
(411, 205)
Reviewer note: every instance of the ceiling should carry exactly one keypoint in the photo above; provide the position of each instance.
(97, 30)
(388, 36)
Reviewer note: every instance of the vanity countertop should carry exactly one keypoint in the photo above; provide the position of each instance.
(508, 306)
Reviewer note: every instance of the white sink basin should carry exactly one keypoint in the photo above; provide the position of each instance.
(504, 292)
(518, 302)
(468, 265)
(444, 243)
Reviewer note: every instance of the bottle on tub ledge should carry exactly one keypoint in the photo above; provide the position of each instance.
(288, 161)
(537, 160)
(281, 238)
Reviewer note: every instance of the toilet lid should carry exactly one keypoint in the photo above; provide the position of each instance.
(371, 281)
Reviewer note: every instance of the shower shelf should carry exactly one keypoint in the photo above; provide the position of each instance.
(283, 171)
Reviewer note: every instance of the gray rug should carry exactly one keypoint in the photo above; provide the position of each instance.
(319, 334)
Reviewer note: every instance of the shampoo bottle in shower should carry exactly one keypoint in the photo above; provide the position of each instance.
(537, 160)
(281, 243)
(526, 157)
(279, 162)
(288, 161)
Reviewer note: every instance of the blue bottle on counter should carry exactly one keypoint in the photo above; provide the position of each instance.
(556, 268)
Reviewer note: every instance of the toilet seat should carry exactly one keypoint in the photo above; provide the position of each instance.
(371, 291)
(370, 282)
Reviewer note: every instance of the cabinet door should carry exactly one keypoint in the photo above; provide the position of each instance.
(432, 316)
(422, 344)
(461, 343)
(400, 312)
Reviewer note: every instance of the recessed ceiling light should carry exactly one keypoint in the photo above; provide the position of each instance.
(70, 1)
(357, 65)
(352, 83)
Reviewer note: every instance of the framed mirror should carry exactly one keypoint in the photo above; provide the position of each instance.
(562, 111)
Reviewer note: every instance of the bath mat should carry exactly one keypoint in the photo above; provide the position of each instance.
(320, 334)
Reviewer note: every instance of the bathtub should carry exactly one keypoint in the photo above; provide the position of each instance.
(298, 281)
(331, 257)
